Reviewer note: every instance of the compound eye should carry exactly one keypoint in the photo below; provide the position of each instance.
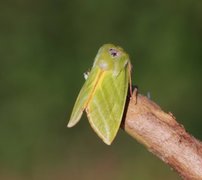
(114, 52)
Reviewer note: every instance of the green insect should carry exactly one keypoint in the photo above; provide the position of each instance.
(104, 92)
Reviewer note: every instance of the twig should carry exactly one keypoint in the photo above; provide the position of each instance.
(164, 137)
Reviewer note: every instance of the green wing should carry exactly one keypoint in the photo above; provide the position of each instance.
(106, 106)
(84, 95)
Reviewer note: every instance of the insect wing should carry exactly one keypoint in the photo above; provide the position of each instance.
(84, 96)
(106, 106)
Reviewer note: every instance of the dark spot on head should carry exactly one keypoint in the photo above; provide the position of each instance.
(113, 52)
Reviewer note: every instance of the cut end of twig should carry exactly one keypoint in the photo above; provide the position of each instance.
(163, 136)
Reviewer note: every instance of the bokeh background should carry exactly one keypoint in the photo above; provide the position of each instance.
(45, 46)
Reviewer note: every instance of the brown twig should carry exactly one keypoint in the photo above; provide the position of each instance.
(164, 137)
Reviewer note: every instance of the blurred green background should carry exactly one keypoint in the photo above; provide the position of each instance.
(45, 46)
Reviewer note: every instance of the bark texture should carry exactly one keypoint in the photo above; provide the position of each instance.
(164, 137)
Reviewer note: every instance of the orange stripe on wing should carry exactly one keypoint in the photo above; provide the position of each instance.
(98, 79)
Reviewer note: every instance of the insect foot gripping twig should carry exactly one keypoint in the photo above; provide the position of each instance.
(162, 135)
(133, 94)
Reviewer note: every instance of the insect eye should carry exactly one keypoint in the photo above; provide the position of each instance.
(113, 52)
